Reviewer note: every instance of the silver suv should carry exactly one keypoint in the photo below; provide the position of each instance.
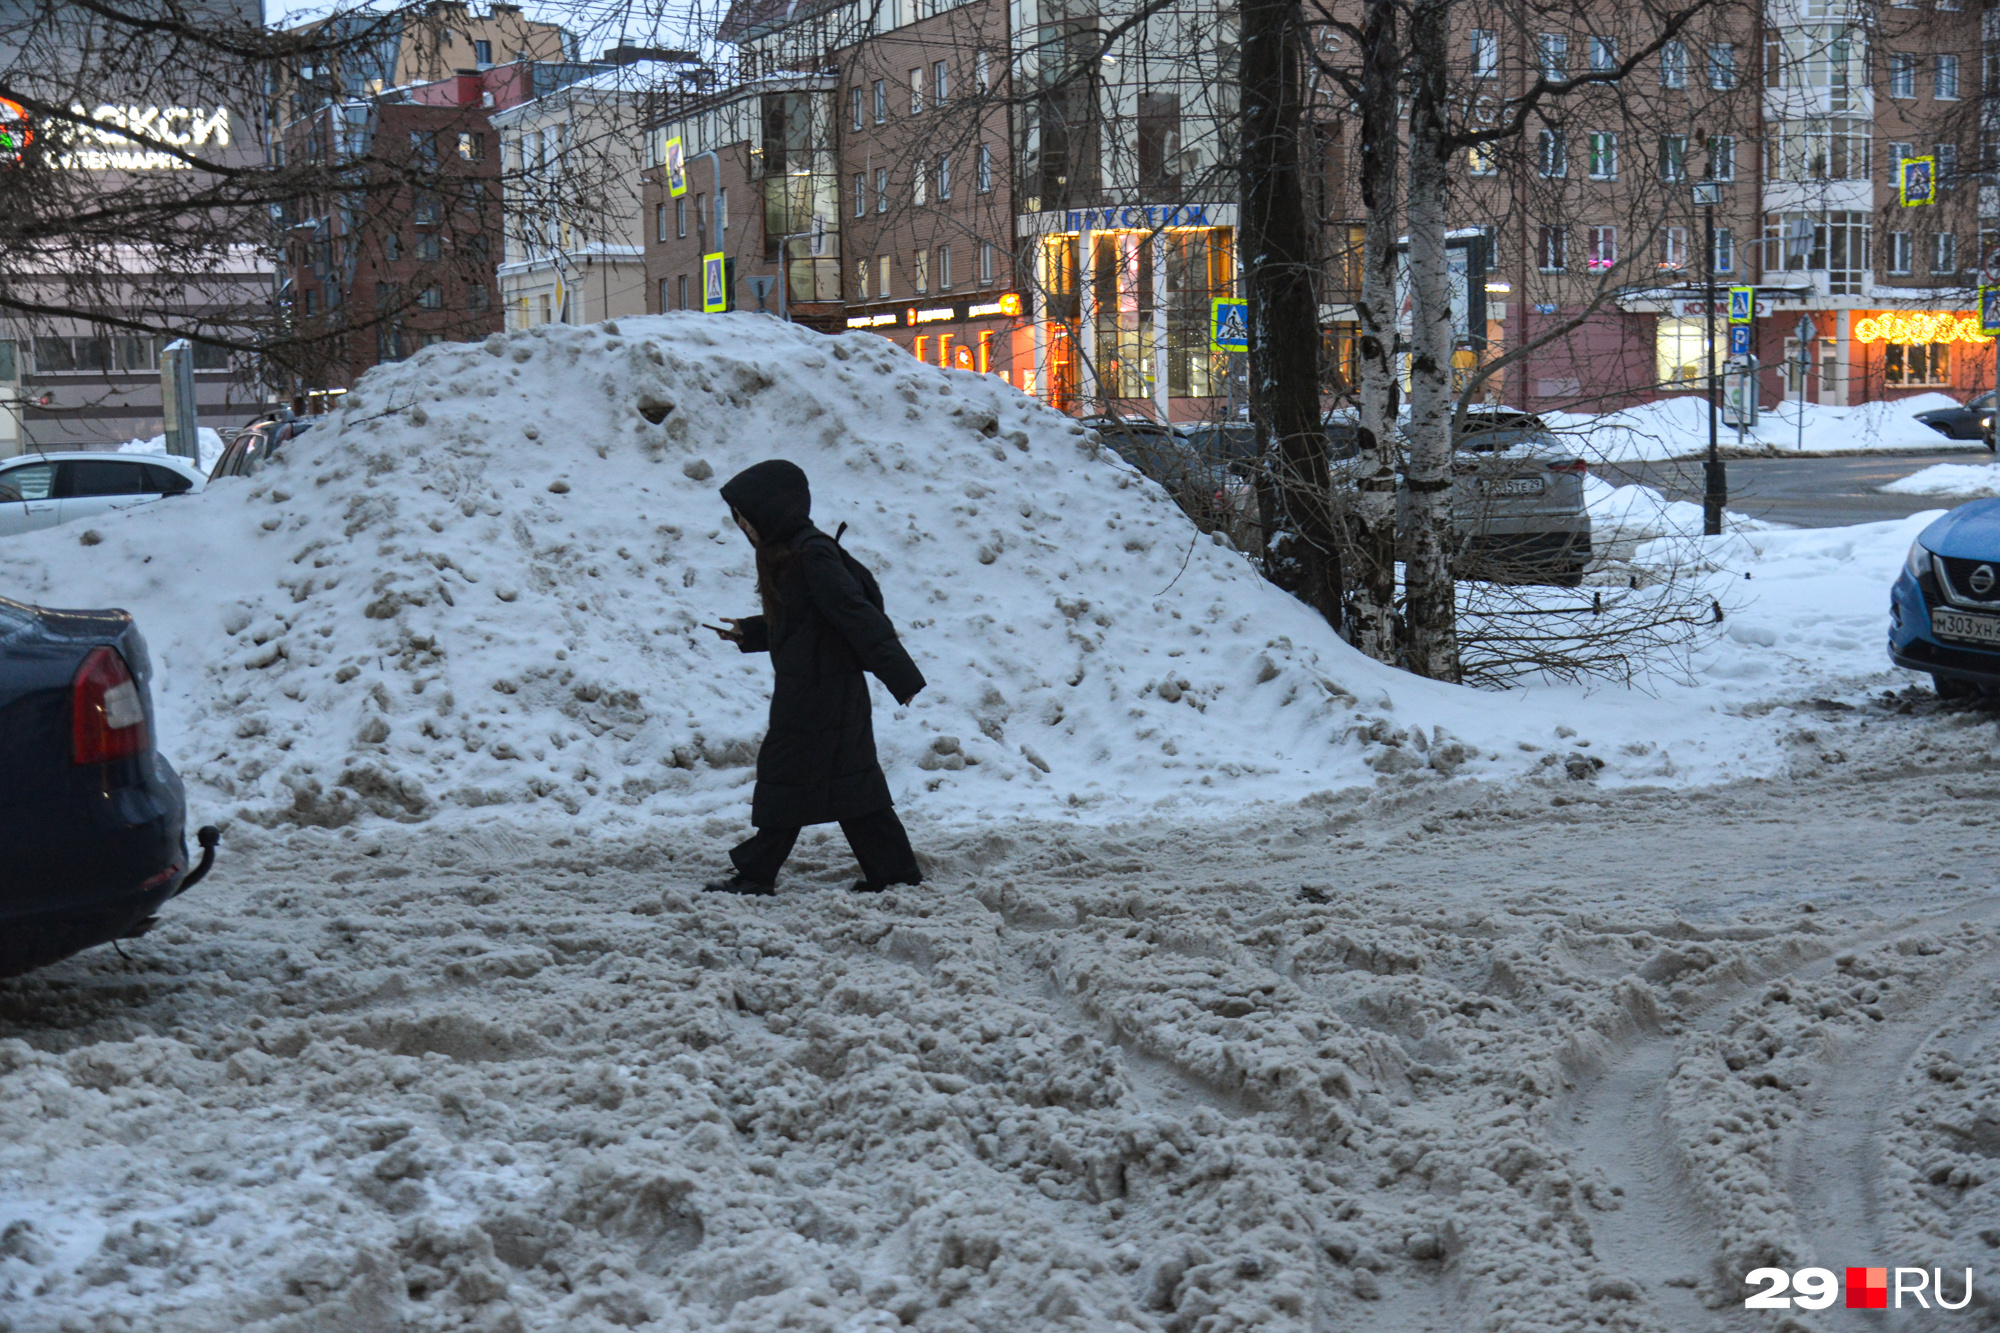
(1517, 501)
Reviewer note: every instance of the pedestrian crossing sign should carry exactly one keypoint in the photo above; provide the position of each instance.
(1228, 325)
(1989, 311)
(715, 283)
(1916, 180)
(677, 171)
(1742, 304)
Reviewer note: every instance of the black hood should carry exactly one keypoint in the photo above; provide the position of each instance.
(774, 496)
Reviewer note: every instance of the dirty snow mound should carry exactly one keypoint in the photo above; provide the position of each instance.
(482, 583)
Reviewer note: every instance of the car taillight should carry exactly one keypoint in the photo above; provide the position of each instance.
(107, 721)
(1575, 466)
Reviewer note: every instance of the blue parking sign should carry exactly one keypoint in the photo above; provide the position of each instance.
(1739, 340)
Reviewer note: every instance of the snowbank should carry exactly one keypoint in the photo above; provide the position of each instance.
(209, 445)
(1678, 428)
(481, 585)
(1969, 480)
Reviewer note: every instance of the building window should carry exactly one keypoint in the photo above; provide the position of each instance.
(944, 268)
(1944, 78)
(472, 147)
(1944, 253)
(1553, 50)
(1603, 55)
(392, 245)
(916, 91)
(1721, 157)
(860, 188)
(308, 307)
(944, 177)
(1481, 160)
(986, 263)
(881, 189)
(431, 298)
(982, 72)
(881, 101)
(1680, 349)
(1673, 247)
(660, 220)
(1947, 163)
(477, 297)
(1902, 74)
(1916, 363)
(920, 182)
(666, 302)
(722, 210)
(1604, 157)
(680, 217)
(1725, 251)
(1674, 65)
(882, 276)
(681, 287)
(940, 84)
(1902, 249)
(1603, 249)
(1673, 158)
(1485, 53)
(1553, 249)
(428, 246)
(984, 169)
(920, 275)
(1898, 154)
(1552, 154)
(482, 53)
(1721, 65)
(854, 106)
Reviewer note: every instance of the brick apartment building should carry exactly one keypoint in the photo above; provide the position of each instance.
(949, 178)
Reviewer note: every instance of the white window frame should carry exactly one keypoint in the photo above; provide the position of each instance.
(1901, 259)
(1721, 66)
(1552, 56)
(1552, 154)
(1485, 53)
(1602, 156)
(1674, 65)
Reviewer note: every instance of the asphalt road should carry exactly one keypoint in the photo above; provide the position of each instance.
(1804, 492)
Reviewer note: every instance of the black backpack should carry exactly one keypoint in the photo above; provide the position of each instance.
(869, 587)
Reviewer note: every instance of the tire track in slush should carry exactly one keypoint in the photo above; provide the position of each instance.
(1662, 1237)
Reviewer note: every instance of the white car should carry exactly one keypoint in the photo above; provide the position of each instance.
(42, 490)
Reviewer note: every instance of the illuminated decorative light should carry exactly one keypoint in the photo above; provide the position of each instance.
(17, 130)
(933, 315)
(1009, 304)
(121, 138)
(1499, 288)
(1919, 326)
(871, 321)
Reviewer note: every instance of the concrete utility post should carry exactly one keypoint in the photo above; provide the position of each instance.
(177, 402)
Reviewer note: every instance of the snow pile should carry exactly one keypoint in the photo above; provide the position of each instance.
(482, 583)
(208, 444)
(1677, 427)
(1623, 515)
(1969, 480)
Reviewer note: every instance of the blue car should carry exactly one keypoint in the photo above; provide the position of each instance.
(1944, 613)
(91, 814)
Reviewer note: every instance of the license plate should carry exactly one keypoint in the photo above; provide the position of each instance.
(1518, 486)
(1960, 625)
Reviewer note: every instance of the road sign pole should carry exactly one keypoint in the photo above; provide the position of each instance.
(1714, 489)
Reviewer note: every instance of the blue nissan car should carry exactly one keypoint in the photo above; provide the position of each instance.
(1944, 612)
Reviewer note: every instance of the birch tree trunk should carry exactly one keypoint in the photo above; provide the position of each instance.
(1372, 523)
(1430, 607)
(1279, 263)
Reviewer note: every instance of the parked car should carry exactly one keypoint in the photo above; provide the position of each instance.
(1944, 610)
(1198, 484)
(42, 490)
(91, 814)
(256, 443)
(1972, 420)
(1517, 501)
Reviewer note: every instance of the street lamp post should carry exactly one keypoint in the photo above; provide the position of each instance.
(1715, 493)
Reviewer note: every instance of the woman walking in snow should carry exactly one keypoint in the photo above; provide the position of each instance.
(823, 626)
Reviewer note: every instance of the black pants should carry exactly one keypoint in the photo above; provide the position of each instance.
(879, 842)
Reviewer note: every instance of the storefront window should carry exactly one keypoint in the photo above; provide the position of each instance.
(1916, 363)
(1682, 350)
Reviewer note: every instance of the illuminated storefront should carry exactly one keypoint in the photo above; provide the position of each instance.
(1913, 349)
(975, 332)
(1126, 302)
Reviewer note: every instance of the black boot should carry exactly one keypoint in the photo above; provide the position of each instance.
(870, 886)
(749, 888)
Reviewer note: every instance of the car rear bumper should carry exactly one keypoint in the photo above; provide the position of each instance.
(83, 867)
(1913, 646)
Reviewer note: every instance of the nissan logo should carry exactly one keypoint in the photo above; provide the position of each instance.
(1981, 580)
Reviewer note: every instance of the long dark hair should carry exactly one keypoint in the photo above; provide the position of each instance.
(773, 565)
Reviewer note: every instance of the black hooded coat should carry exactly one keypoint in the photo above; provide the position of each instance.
(823, 630)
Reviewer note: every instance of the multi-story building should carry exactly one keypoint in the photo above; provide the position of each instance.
(575, 250)
(995, 189)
